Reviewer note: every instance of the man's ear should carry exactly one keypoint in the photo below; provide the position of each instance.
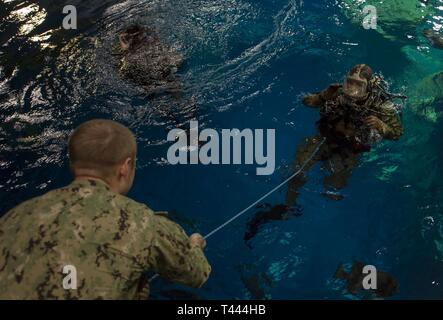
(126, 168)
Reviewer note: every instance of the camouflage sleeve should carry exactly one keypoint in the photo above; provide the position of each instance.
(393, 129)
(174, 258)
(317, 100)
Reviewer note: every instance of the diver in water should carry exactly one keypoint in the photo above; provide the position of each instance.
(353, 116)
(434, 38)
(148, 62)
(151, 64)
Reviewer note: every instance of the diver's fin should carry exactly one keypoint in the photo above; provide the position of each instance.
(341, 273)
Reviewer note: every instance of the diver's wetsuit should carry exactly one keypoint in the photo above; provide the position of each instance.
(342, 137)
(152, 64)
(149, 62)
(346, 137)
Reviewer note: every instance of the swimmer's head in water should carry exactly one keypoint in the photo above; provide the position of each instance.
(428, 32)
(133, 36)
(356, 84)
(135, 29)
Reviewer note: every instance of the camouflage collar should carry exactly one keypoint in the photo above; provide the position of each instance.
(90, 183)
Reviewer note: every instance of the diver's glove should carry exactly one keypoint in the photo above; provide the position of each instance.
(313, 100)
(375, 123)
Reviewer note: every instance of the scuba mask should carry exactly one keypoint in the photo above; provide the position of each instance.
(356, 85)
(355, 89)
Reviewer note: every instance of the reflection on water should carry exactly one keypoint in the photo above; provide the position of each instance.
(42, 39)
(29, 18)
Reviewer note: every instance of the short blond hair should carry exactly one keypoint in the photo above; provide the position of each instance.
(101, 145)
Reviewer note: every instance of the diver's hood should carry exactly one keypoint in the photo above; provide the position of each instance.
(355, 88)
(135, 29)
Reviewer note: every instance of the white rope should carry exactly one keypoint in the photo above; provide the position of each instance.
(267, 194)
(210, 234)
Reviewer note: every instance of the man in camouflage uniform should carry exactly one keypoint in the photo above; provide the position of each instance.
(112, 241)
(354, 116)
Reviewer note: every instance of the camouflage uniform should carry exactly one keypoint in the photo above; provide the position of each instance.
(111, 240)
(341, 150)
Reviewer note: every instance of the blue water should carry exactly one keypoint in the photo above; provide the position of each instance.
(247, 63)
